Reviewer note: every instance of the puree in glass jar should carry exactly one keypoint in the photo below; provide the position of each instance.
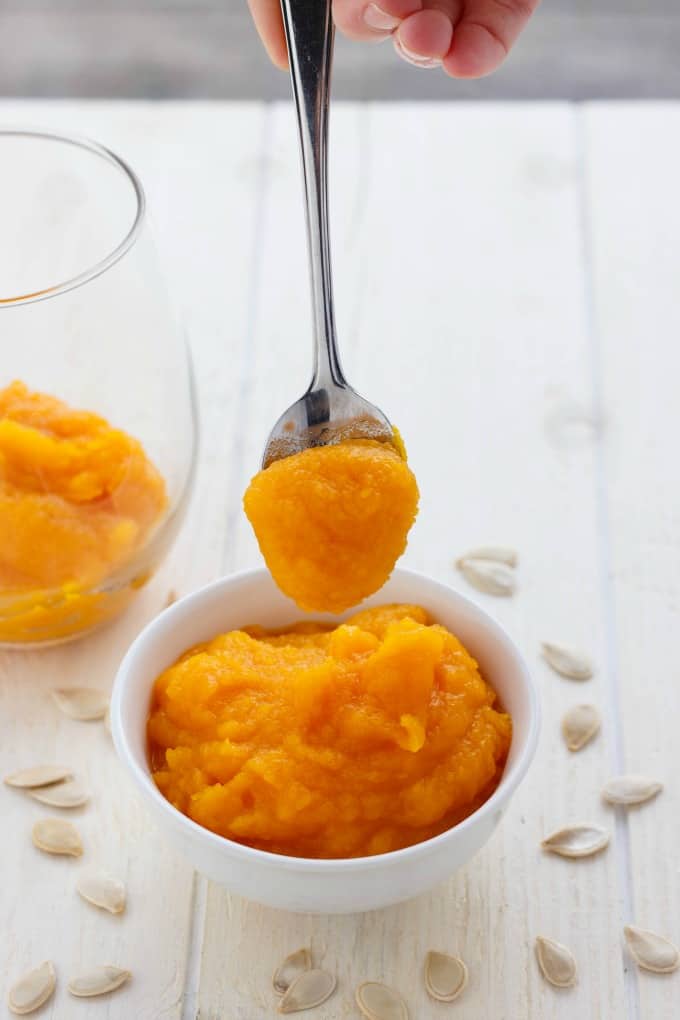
(328, 741)
(332, 521)
(78, 498)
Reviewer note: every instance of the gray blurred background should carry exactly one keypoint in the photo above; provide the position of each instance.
(573, 49)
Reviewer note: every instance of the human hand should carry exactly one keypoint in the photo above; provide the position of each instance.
(467, 38)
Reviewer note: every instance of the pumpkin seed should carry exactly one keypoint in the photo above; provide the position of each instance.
(631, 789)
(98, 981)
(495, 553)
(102, 890)
(308, 990)
(557, 963)
(650, 951)
(379, 1002)
(488, 577)
(566, 661)
(39, 775)
(577, 841)
(70, 794)
(55, 836)
(445, 976)
(32, 990)
(579, 725)
(295, 964)
(82, 703)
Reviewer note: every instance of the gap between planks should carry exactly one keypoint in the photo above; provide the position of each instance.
(199, 899)
(622, 845)
(247, 362)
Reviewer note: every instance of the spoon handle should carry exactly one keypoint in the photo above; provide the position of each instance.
(309, 32)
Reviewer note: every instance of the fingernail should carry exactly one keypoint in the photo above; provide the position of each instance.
(379, 20)
(414, 58)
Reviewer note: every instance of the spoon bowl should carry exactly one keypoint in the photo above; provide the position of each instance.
(324, 417)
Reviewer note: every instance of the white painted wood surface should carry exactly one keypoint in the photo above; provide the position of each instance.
(506, 286)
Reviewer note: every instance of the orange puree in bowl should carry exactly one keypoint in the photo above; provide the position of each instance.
(77, 499)
(332, 521)
(321, 741)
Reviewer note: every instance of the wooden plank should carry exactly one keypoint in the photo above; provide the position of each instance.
(632, 170)
(462, 313)
(211, 51)
(202, 169)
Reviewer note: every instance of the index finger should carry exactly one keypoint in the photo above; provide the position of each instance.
(269, 23)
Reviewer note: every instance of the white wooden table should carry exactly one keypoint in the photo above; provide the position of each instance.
(507, 285)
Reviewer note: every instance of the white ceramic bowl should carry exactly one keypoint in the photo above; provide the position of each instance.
(296, 883)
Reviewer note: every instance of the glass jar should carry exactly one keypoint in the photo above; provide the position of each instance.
(97, 410)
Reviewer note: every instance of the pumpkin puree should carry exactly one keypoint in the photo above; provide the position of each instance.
(319, 741)
(332, 521)
(77, 499)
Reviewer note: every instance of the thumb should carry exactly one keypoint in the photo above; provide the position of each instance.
(372, 20)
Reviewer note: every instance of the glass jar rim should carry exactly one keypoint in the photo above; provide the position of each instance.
(117, 253)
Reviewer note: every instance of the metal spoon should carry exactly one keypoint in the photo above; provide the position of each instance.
(330, 411)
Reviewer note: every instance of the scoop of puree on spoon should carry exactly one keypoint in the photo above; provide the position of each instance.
(330, 411)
